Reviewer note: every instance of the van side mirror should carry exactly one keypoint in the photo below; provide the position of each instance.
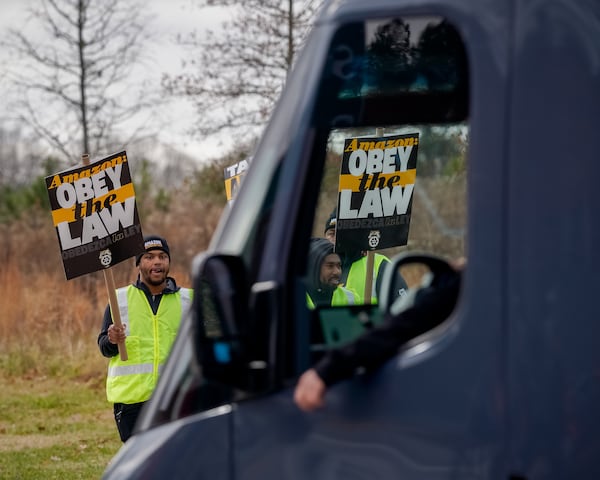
(219, 317)
(419, 270)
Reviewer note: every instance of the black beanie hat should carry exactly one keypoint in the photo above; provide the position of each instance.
(331, 221)
(319, 248)
(153, 242)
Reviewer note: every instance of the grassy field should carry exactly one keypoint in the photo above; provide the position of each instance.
(55, 428)
(55, 421)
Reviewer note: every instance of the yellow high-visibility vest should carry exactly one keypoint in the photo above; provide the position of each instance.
(149, 340)
(341, 296)
(357, 277)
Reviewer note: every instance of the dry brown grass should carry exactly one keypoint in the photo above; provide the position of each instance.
(49, 325)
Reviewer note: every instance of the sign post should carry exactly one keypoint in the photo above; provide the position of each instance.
(109, 281)
(370, 255)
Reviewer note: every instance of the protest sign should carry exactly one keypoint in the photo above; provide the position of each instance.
(95, 215)
(377, 179)
(233, 177)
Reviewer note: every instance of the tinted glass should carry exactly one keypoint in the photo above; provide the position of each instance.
(393, 116)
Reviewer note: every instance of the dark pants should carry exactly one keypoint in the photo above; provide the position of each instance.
(126, 416)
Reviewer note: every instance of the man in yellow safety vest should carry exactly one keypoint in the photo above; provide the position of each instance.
(324, 273)
(151, 311)
(354, 266)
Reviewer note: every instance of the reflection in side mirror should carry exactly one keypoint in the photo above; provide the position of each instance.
(419, 270)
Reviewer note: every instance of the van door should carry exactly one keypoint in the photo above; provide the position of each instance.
(554, 231)
(437, 409)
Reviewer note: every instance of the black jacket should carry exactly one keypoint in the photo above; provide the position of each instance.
(321, 294)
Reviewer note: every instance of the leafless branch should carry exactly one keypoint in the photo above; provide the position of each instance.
(234, 77)
(81, 72)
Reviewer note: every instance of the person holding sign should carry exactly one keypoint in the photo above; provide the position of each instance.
(354, 266)
(324, 274)
(151, 311)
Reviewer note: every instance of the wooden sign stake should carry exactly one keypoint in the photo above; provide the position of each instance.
(109, 280)
(371, 255)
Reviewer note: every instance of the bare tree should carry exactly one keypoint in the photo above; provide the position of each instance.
(73, 72)
(235, 75)
(9, 157)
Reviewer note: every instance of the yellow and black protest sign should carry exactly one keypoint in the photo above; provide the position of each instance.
(377, 179)
(233, 177)
(95, 215)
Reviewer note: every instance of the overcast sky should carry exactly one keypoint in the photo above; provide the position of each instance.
(171, 17)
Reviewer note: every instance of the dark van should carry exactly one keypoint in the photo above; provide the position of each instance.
(501, 99)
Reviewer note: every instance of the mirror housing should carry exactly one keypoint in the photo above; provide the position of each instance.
(427, 269)
(220, 318)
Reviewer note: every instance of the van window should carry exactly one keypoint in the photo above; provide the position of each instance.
(393, 117)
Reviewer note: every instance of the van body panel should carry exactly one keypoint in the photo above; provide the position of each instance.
(171, 451)
(552, 212)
